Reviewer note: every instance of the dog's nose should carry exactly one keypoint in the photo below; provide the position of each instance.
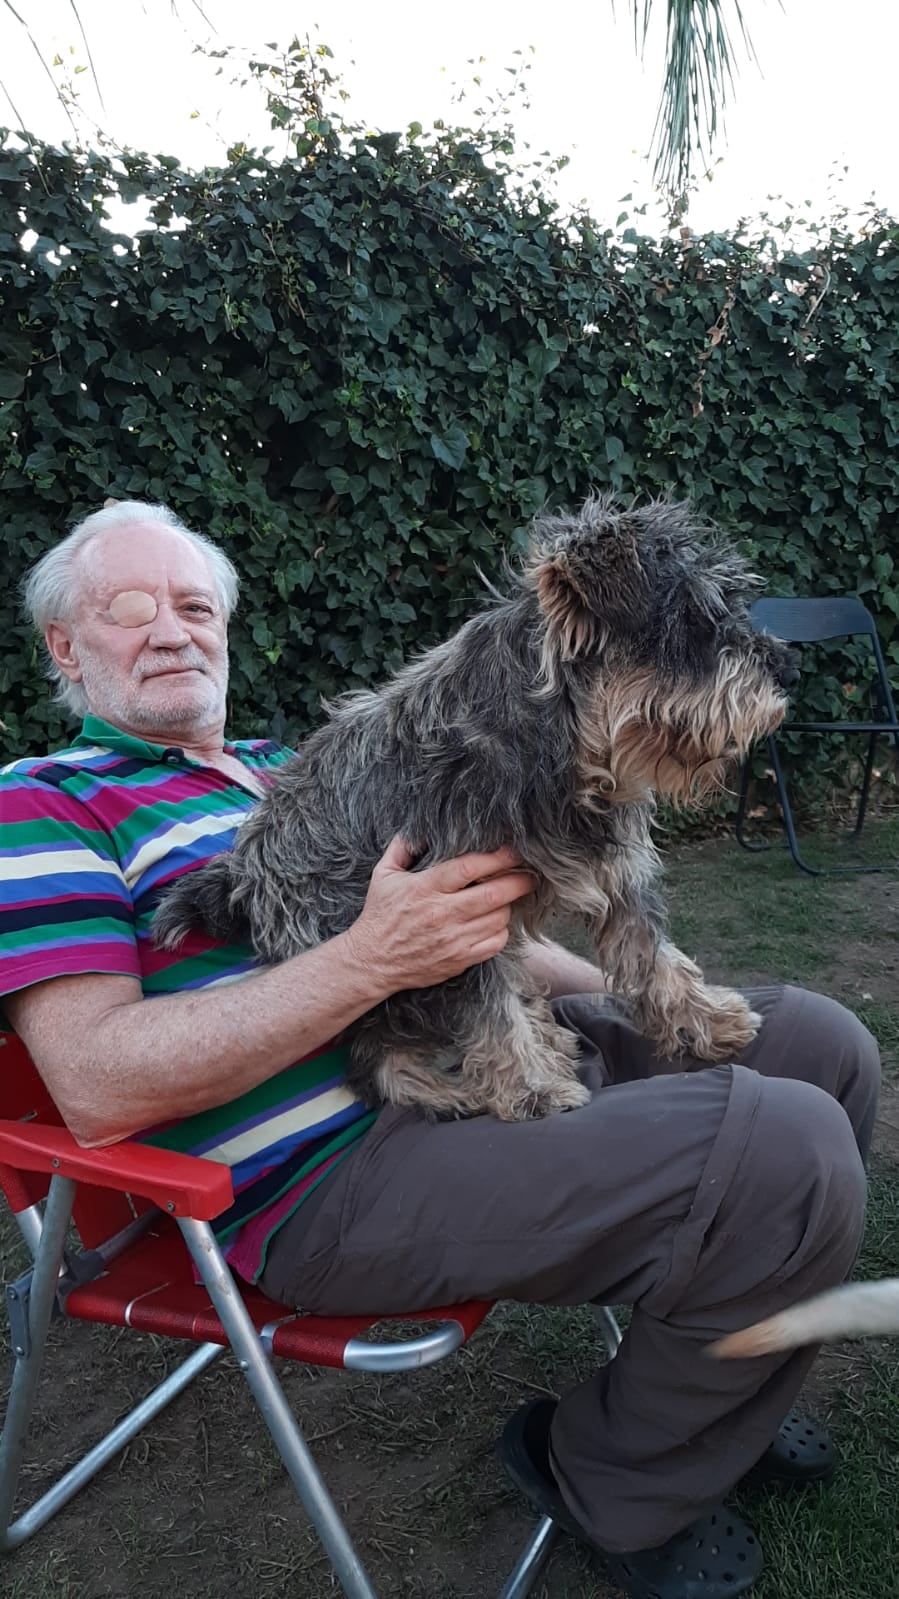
(788, 671)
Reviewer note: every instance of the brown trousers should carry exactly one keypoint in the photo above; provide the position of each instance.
(706, 1197)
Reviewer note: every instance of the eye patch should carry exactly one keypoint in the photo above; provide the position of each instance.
(133, 608)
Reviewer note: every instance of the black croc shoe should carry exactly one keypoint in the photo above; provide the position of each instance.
(801, 1453)
(718, 1557)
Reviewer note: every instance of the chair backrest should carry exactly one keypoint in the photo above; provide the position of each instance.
(98, 1213)
(810, 621)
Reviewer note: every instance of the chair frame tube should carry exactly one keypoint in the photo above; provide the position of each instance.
(45, 1231)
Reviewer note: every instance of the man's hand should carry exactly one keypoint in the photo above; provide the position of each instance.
(420, 928)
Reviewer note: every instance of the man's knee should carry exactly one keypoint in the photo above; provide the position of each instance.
(802, 1178)
(837, 1173)
(816, 1039)
(825, 1028)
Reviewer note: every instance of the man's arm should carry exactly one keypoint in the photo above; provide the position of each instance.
(559, 972)
(115, 1062)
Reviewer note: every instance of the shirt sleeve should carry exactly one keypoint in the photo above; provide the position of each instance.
(65, 908)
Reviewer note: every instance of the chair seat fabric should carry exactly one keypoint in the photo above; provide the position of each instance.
(151, 1288)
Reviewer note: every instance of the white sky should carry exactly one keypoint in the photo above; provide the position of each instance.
(825, 96)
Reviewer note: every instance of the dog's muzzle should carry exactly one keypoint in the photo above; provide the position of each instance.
(787, 673)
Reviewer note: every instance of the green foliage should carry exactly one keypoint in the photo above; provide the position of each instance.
(363, 368)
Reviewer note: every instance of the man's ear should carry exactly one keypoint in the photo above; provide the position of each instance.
(60, 642)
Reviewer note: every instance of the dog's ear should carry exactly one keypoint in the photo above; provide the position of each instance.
(589, 577)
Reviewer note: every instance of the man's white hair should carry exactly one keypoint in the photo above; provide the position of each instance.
(50, 588)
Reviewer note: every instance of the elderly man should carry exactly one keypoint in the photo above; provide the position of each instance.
(706, 1198)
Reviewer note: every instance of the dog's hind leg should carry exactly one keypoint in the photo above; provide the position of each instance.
(520, 1063)
(431, 1078)
(481, 1046)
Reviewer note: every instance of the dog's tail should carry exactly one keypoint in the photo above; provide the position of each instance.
(859, 1310)
(206, 898)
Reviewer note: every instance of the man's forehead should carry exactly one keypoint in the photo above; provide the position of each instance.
(150, 560)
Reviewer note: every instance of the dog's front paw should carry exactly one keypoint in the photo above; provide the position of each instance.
(733, 1025)
(569, 1095)
(534, 1104)
(718, 1025)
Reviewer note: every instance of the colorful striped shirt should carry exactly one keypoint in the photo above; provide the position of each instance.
(89, 839)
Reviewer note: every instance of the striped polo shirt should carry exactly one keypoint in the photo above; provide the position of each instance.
(89, 839)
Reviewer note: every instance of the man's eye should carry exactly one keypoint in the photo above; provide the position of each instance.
(203, 610)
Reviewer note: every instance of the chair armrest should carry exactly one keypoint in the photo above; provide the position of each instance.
(182, 1185)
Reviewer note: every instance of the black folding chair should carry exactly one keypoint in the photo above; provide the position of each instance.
(811, 621)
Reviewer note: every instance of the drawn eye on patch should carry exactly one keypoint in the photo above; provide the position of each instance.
(133, 608)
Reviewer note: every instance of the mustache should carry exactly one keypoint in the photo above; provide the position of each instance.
(180, 660)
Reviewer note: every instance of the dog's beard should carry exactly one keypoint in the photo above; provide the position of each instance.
(700, 765)
(641, 737)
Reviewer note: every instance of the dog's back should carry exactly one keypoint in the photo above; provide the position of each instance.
(456, 753)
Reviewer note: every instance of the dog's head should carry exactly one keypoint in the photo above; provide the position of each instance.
(645, 611)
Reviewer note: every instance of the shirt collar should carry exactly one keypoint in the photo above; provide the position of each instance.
(95, 731)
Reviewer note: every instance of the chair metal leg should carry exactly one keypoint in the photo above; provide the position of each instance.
(30, 1351)
(45, 1234)
(866, 784)
(87, 1467)
(30, 1223)
(887, 703)
(610, 1330)
(534, 1555)
(276, 1413)
(754, 847)
(790, 829)
(787, 812)
(531, 1561)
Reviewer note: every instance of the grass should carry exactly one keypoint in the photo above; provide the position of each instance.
(844, 1540)
(199, 1504)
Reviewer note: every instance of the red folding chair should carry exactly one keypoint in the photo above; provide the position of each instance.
(135, 1209)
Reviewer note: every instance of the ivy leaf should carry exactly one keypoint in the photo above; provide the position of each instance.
(450, 447)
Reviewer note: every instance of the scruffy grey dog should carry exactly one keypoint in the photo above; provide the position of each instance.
(621, 665)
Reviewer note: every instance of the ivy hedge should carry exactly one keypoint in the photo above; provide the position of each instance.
(364, 368)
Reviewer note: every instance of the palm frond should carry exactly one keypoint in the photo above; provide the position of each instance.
(699, 80)
(698, 84)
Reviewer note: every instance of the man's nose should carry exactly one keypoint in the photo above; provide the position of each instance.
(167, 630)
